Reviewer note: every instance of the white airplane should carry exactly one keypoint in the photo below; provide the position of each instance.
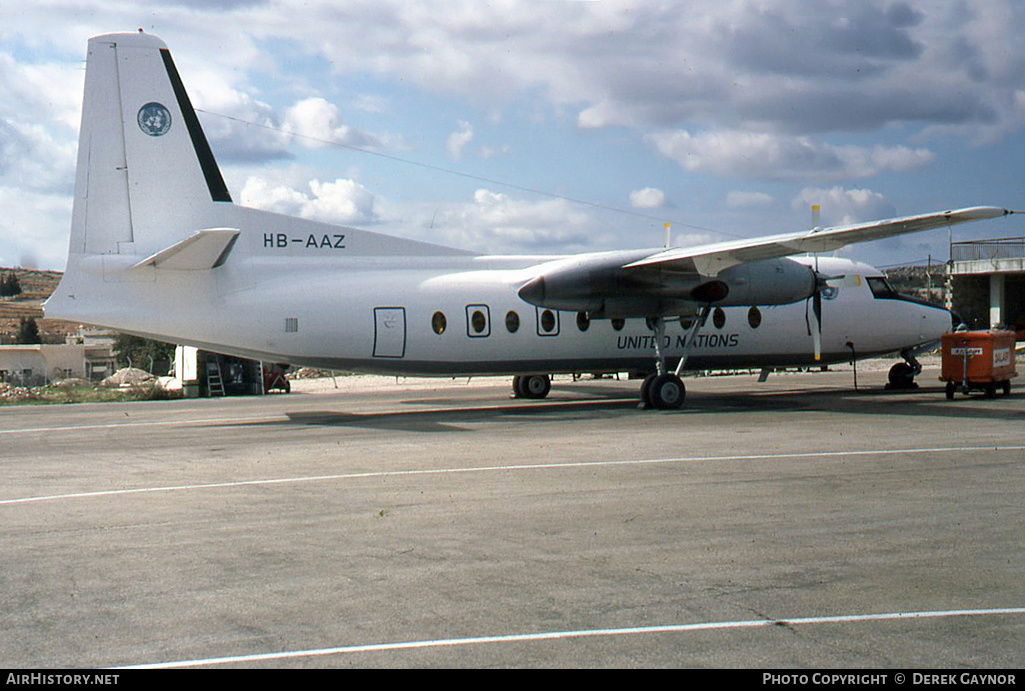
(159, 250)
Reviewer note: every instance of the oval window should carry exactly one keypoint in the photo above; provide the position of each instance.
(583, 321)
(438, 323)
(719, 318)
(754, 317)
(618, 324)
(512, 322)
(547, 321)
(478, 321)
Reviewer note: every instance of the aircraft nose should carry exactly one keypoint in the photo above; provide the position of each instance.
(936, 321)
(955, 320)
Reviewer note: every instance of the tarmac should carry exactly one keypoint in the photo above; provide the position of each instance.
(794, 523)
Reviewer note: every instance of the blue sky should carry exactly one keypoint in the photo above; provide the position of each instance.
(483, 125)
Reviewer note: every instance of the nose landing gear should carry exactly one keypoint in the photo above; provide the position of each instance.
(902, 375)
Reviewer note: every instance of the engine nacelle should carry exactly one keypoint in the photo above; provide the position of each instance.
(768, 282)
(599, 285)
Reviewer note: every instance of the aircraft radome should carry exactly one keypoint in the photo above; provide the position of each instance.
(158, 249)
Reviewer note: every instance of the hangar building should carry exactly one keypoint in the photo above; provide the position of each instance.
(987, 283)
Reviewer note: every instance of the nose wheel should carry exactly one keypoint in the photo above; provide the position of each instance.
(902, 375)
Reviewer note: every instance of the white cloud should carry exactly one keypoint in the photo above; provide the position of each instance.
(647, 198)
(487, 152)
(341, 201)
(459, 139)
(839, 206)
(34, 227)
(740, 200)
(31, 159)
(764, 156)
(43, 92)
(317, 124)
(497, 223)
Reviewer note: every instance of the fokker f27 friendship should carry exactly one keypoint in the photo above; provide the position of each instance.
(158, 249)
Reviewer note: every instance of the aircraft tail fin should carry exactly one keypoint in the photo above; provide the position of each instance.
(146, 177)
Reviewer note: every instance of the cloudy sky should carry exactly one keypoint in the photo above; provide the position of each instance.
(552, 126)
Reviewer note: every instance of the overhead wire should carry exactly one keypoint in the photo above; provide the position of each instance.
(469, 176)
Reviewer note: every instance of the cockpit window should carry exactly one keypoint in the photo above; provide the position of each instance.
(881, 289)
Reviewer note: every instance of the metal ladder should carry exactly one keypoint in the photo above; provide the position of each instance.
(214, 381)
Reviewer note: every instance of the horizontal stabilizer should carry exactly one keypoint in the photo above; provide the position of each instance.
(204, 249)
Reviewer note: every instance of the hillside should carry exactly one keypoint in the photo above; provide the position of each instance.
(36, 286)
(927, 282)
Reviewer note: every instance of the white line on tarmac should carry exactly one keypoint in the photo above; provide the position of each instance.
(505, 468)
(587, 633)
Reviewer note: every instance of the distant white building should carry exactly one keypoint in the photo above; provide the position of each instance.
(86, 355)
(36, 364)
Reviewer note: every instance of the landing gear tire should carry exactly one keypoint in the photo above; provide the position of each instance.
(901, 376)
(664, 392)
(532, 386)
(950, 390)
(646, 389)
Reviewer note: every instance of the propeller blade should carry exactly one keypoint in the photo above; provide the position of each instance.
(816, 332)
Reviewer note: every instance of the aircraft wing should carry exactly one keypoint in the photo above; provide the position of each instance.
(709, 260)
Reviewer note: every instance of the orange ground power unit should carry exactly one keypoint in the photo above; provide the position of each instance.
(981, 360)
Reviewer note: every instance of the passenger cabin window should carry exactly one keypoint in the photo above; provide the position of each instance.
(478, 321)
(438, 323)
(547, 323)
(583, 321)
(754, 317)
(512, 322)
(719, 318)
(618, 324)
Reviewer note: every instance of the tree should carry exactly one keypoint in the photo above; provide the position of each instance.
(28, 331)
(10, 285)
(143, 353)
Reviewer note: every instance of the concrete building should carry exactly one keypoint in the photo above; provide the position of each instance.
(85, 355)
(987, 283)
(31, 365)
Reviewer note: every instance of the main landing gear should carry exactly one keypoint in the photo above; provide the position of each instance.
(532, 386)
(664, 390)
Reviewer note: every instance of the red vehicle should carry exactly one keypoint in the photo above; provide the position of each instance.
(274, 379)
(979, 360)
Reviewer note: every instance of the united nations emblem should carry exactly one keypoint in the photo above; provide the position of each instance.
(154, 119)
